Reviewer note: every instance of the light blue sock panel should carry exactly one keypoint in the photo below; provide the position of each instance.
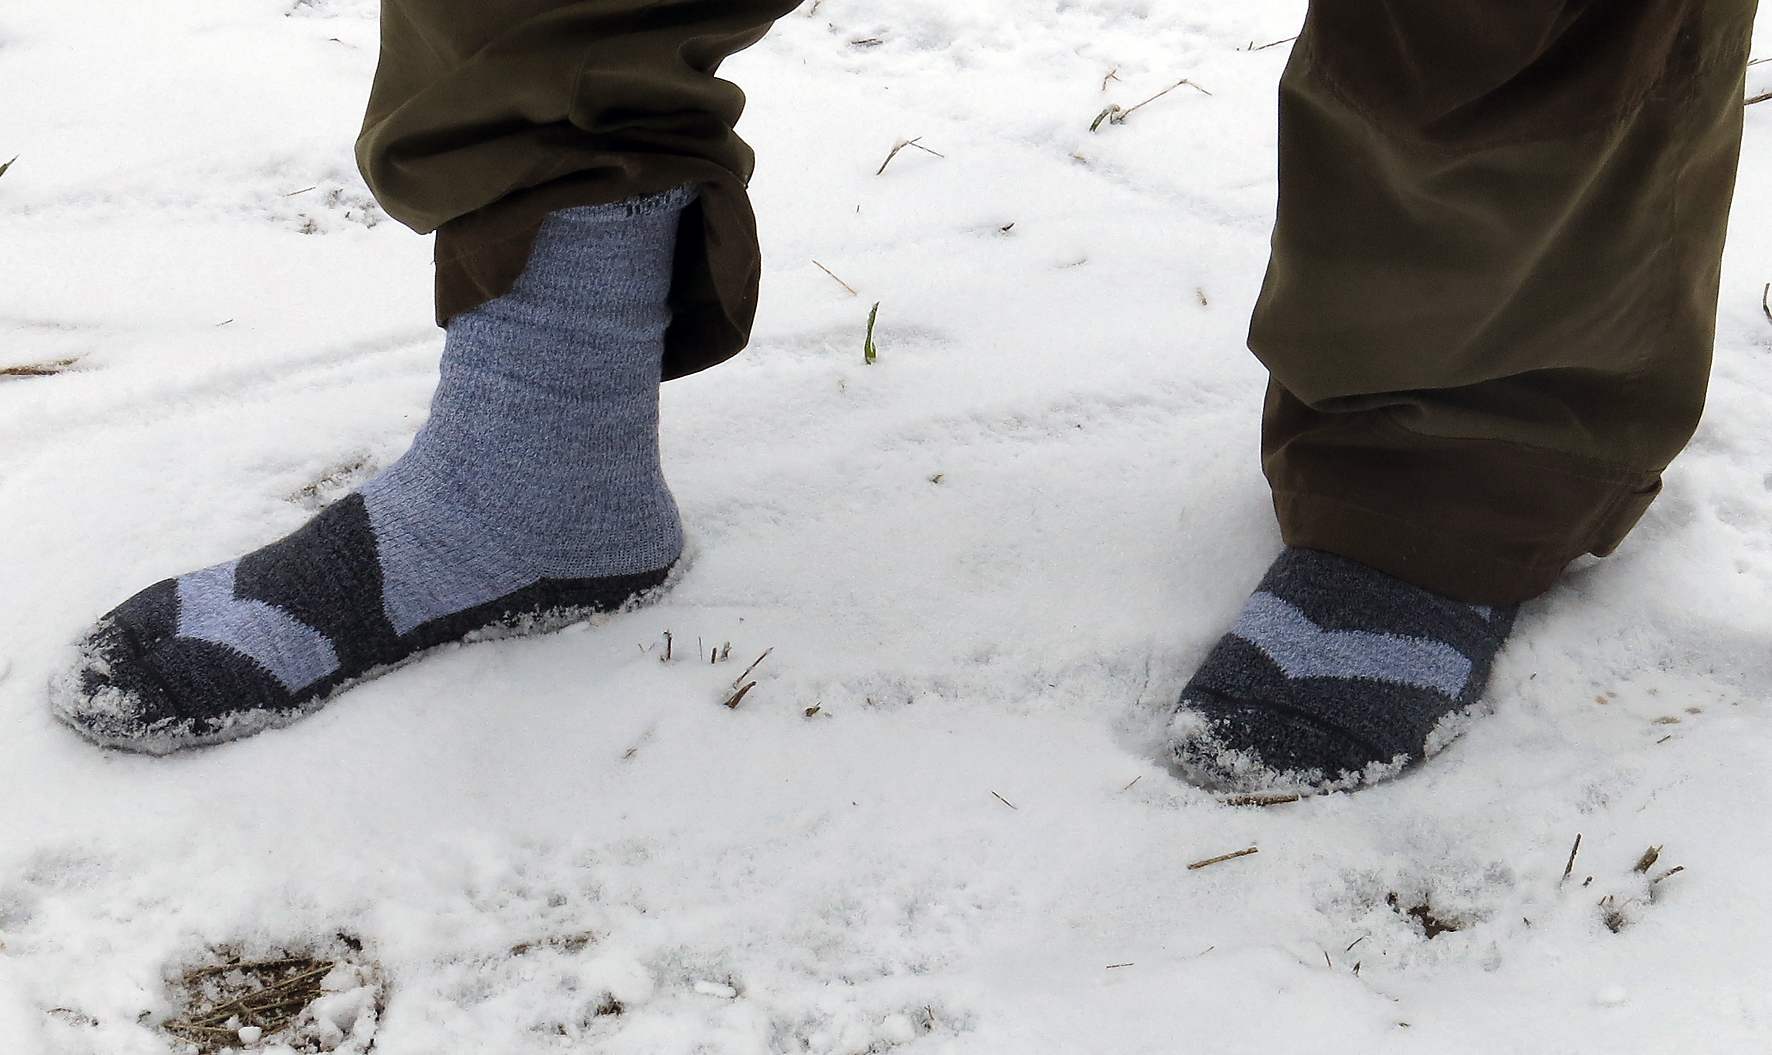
(540, 458)
(531, 498)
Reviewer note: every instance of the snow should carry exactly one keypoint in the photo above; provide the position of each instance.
(985, 565)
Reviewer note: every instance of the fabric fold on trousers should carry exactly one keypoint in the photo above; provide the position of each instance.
(484, 118)
(1490, 306)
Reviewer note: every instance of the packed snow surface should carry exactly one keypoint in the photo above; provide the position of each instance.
(982, 568)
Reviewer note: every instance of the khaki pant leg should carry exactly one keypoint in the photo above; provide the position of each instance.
(1492, 297)
(486, 115)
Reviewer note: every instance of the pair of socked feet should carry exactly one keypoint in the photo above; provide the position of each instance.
(532, 498)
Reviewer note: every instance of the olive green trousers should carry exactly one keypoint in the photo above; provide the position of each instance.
(1489, 310)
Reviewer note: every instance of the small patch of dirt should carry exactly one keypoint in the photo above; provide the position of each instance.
(311, 1001)
(1431, 925)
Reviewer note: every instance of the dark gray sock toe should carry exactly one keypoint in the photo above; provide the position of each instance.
(257, 643)
(1219, 755)
(140, 683)
(1333, 673)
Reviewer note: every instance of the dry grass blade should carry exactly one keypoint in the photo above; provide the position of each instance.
(852, 290)
(217, 1008)
(737, 698)
(1117, 115)
(1766, 301)
(1647, 861)
(48, 369)
(218, 1035)
(1569, 868)
(900, 146)
(8, 165)
(1221, 858)
(1130, 110)
(571, 943)
(1261, 799)
(263, 965)
(297, 990)
(1006, 802)
(1760, 98)
(753, 666)
(1252, 45)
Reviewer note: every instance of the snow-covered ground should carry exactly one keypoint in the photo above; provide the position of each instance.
(984, 566)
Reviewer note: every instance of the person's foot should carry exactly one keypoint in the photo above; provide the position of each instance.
(1334, 675)
(531, 499)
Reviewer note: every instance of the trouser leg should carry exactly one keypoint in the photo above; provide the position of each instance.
(487, 116)
(1490, 307)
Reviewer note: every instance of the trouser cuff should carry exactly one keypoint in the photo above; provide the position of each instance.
(1483, 521)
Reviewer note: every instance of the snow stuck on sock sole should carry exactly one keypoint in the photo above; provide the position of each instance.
(984, 565)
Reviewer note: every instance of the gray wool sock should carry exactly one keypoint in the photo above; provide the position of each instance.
(540, 458)
(1334, 674)
(532, 496)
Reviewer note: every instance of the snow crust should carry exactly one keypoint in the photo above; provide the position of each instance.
(985, 564)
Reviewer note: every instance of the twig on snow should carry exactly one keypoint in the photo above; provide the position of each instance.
(753, 666)
(1221, 858)
(1569, 869)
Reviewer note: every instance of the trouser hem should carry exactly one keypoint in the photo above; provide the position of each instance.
(1410, 551)
(1483, 521)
